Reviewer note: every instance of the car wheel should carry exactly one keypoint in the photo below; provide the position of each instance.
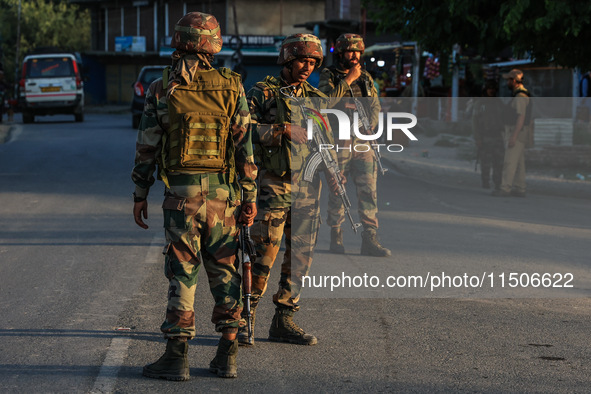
(135, 121)
(28, 117)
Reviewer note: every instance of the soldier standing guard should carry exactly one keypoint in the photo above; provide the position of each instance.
(359, 165)
(517, 138)
(487, 124)
(285, 206)
(195, 126)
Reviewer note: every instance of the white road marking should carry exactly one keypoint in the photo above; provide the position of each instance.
(107, 376)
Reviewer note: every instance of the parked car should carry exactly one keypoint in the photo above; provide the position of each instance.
(51, 84)
(146, 76)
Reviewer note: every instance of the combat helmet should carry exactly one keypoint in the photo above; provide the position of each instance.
(300, 45)
(349, 42)
(197, 32)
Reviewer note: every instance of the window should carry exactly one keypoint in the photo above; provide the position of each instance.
(50, 67)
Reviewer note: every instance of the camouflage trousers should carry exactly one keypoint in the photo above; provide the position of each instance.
(492, 154)
(298, 221)
(200, 227)
(361, 169)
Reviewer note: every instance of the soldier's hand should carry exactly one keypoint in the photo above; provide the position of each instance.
(140, 209)
(247, 213)
(295, 133)
(353, 74)
(332, 183)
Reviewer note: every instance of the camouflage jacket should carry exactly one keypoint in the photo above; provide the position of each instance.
(332, 83)
(149, 144)
(270, 112)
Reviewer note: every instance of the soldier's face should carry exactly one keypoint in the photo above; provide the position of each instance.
(301, 69)
(351, 58)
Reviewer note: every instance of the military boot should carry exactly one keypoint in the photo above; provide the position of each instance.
(173, 365)
(243, 339)
(370, 245)
(284, 329)
(224, 362)
(336, 241)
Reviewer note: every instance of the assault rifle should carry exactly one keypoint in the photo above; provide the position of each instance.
(322, 156)
(364, 119)
(248, 256)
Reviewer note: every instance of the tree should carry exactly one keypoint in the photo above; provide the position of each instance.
(43, 24)
(548, 30)
(553, 31)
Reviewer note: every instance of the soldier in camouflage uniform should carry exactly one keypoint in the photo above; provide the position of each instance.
(286, 206)
(358, 164)
(488, 130)
(196, 127)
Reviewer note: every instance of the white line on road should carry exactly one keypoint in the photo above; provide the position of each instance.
(105, 381)
(107, 376)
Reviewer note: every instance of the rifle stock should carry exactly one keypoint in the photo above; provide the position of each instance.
(332, 171)
(246, 278)
(248, 256)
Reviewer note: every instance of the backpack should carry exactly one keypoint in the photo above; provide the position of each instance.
(198, 138)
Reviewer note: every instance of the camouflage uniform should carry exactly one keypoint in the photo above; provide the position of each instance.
(200, 207)
(356, 162)
(360, 167)
(287, 204)
(280, 205)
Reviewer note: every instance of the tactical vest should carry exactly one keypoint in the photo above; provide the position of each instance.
(288, 156)
(199, 139)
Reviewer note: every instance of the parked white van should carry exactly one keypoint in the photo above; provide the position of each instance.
(51, 84)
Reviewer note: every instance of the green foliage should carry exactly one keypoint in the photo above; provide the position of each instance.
(43, 24)
(549, 30)
(437, 25)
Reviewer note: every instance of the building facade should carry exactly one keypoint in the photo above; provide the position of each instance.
(129, 34)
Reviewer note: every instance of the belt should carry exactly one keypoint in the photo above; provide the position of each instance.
(196, 179)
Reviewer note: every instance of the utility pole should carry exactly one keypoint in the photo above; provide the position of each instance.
(455, 83)
(18, 43)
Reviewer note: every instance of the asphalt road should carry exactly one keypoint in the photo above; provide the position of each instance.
(82, 292)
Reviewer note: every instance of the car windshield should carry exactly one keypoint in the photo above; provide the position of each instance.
(50, 67)
(150, 75)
